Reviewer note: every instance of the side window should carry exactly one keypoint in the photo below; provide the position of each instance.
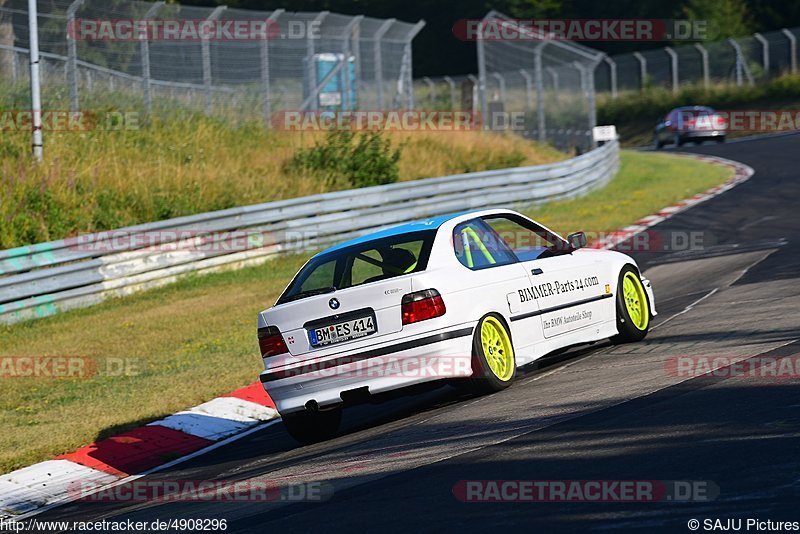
(477, 247)
(527, 241)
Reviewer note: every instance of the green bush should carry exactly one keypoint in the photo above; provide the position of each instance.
(345, 158)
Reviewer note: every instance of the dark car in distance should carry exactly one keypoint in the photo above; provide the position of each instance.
(690, 123)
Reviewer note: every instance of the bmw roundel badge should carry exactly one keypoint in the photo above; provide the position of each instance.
(334, 304)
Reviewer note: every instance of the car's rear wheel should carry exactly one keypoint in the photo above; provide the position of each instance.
(313, 426)
(676, 139)
(493, 363)
(721, 139)
(633, 308)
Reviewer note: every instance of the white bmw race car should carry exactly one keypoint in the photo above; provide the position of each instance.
(466, 297)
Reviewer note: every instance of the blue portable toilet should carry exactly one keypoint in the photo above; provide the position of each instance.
(334, 95)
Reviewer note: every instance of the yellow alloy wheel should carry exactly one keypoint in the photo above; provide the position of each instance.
(635, 300)
(497, 348)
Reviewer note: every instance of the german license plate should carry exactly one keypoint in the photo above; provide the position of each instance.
(343, 331)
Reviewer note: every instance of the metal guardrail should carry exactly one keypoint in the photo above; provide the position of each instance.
(46, 278)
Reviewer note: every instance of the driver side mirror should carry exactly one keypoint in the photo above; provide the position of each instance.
(577, 240)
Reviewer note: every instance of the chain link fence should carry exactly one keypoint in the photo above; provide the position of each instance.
(741, 61)
(310, 61)
(542, 88)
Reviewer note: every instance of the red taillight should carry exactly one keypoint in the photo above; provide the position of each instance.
(271, 342)
(422, 305)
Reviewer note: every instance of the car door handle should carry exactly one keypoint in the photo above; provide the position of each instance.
(537, 271)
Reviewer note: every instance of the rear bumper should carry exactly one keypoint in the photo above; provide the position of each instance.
(423, 358)
(707, 134)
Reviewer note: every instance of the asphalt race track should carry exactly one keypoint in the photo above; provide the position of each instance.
(595, 413)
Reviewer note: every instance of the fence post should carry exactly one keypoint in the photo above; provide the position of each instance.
(206, 49)
(266, 97)
(501, 82)
(36, 96)
(452, 84)
(349, 30)
(381, 31)
(704, 63)
(482, 73)
(72, 56)
(764, 53)
(673, 67)
(741, 66)
(431, 90)
(792, 49)
(310, 51)
(642, 70)
(537, 78)
(356, 48)
(554, 75)
(144, 48)
(612, 74)
(14, 66)
(528, 89)
(410, 63)
(474, 80)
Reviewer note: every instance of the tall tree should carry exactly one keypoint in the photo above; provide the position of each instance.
(728, 18)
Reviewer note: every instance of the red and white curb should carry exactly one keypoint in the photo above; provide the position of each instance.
(198, 430)
(160, 444)
(742, 173)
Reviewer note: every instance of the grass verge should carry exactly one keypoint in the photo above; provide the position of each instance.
(194, 340)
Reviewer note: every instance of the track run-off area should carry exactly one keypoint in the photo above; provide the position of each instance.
(594, 413)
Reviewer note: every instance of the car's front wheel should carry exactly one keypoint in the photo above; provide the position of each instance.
(633, 308)
(313, 426)
(493, 363)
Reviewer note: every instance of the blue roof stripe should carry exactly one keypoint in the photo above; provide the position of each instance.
(415, 226)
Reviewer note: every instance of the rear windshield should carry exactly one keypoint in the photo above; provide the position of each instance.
(370, 261)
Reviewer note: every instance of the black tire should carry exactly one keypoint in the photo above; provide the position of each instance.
(677, 140)
(628, 331)
(656, 143)
(312, 427)
(721, 139)
(483, 379)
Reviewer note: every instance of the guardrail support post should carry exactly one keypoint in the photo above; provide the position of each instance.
(673, 67)
(72, 56)
(266, 95)
(206, 50)
(704, 63)
(528, 90)
(764, 53)
(453, 99)
(378, 59)
(612, 75)
(642, 70)
(144, 49)
(792, 49)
